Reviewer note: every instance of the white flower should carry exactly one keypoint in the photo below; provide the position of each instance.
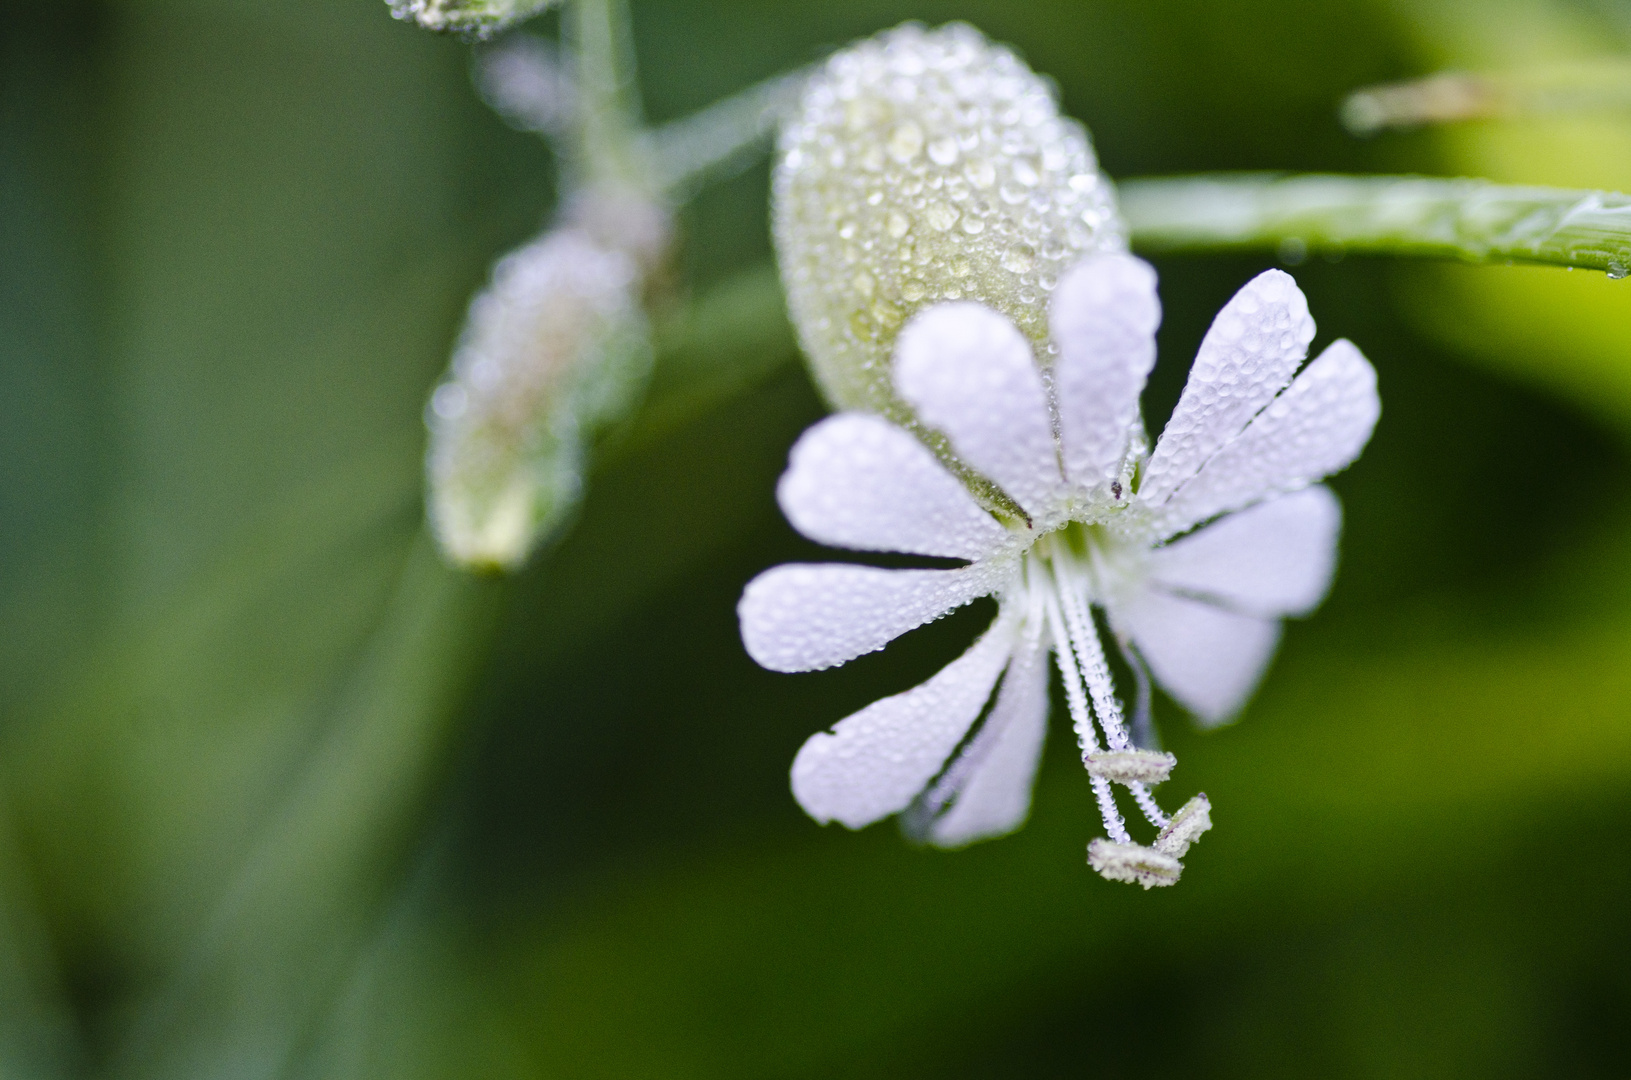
(1075, 517)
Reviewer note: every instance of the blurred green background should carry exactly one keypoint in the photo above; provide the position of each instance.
(280, 796)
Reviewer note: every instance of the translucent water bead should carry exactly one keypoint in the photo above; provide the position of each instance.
(921, 166)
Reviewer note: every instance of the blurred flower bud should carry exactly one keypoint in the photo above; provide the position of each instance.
(528, 81)
(921, 166)
(475, 18)
(553, 349)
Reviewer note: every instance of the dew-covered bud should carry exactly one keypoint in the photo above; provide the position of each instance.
(554, 347)
(921, 166)
(1186, 827)
(1133, 863)
(473, 18)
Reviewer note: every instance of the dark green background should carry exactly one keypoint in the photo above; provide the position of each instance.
(279, 796)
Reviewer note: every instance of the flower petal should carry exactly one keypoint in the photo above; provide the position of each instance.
(1249, 354)
(969, 372)
(1103, 317)
(803, 617)
(1275, 558)
(992, 778)
(1207, 658)
(874, 762)
(1315, 428)
(858, 481)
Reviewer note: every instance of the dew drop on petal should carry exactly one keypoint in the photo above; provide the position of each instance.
(940, 216)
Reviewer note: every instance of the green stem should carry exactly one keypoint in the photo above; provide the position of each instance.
(608, 118)
(1602, 85)
(724, 137)
(1470, 220)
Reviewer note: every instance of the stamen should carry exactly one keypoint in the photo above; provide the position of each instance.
(1084, 638)
(1146, 803)
(1131, 766)
(1086, 738)
(1191, 820)
(1095, 670)
(1133, 863)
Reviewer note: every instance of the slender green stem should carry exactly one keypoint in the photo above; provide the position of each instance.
(1602, 85)
(725, 136)
(608, 117)
(1471, 220)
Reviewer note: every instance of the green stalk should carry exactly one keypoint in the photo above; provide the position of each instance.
(608, 116)
(1470, 220)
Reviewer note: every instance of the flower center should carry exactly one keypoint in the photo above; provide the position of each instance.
(1066, 572)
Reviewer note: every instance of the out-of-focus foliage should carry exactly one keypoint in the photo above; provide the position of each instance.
(282, 796)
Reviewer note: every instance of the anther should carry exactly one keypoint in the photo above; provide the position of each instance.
(1130, 766)
(1186, 827)
(1133, 863)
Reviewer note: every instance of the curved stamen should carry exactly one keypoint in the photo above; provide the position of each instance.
(1071, 588)
(1086, 737)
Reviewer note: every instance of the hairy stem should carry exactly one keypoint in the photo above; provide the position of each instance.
(1471, 220)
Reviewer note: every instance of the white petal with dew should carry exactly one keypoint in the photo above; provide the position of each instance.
(1318, 426)
(1133, 863)
(992, 778)
(858, 481)
(874, 762)
(969, 372)
(1207, 658)
(1248, 356)
(1103, 317)
(1192, 819)
(803, 617)
(1275, 558)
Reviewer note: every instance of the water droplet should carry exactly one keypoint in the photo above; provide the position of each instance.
(906, 142)
(981, 173)
(875, 198)
(887, 315)
(960, 266)
(449, 401)
(972, 225)
(897, 224)
(940, 216)
(1617, 271)
(1019, 258)
(913, 291)
(846, 230)
(864, 284)
(943, 151)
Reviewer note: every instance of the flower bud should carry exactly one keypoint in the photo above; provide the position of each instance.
(473, 18)
(921, 166)
(552, 349)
